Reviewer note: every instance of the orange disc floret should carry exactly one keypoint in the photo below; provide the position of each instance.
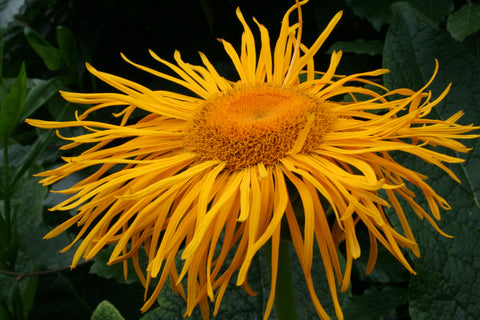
(257, 124)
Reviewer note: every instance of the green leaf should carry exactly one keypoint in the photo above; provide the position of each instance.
(115, 271)
(436, 10)
(387, 271)
(464, 21)
(29, 201)
(28, 205)
(17, 303)
(304, 302)
(106, 311)
(51, 56)
(375, 304)
(376, 11)
(359, 46)
(448, 272)
(68, 46)
(238, 305)
(172, 307)
(28, 294)
(12, 107)
(27, 161)
(39, 94)
(4, 312)
(7, 285)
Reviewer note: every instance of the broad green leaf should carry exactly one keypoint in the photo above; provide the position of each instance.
(51, 56)
(29, 201)
(7, 284)
(28, 294)
(68, 46)
(106, 311)
(448, 272)
(35, 150)
(12, 107)
(379, 12)
(388, 271)
(359, 46)
(28, 204)
(4, 312)
(39, 94)
(464, 21)
(436, 10)
(62, 111)
(28, 159)
(115, 271)
(157, 313)
(375, 11)
(375, 304)
(238, 305)
(46, 253)
(17, 303)
(304, 301)
(173, 307)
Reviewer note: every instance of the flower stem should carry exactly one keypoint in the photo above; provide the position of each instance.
(285, 303)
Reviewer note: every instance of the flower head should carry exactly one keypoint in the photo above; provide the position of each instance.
(213, 173)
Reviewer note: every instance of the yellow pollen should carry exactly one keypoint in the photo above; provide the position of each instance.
(257, 125)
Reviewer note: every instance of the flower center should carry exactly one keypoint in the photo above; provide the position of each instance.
(259, 124)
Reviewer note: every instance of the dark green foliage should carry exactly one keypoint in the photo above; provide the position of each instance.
(464, 22)
(43, 47)
(375, 304)
(12, 105)
(106, 311)
(447, 282)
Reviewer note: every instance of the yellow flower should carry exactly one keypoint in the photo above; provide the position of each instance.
(216, 172)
